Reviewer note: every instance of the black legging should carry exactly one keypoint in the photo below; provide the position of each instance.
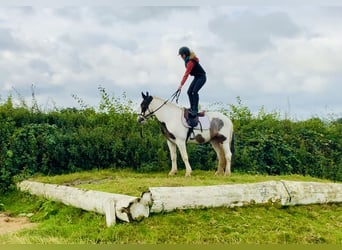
(193, 89)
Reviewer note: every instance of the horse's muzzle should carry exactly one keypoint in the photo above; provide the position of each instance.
(141, 119)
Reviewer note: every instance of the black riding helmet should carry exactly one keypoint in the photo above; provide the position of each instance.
(184, 50)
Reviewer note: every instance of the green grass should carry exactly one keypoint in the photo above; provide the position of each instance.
(253, 224)
(131, 183)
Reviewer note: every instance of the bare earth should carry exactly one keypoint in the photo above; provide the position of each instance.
(13, 224)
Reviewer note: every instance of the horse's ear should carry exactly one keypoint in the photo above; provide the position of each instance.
(147, 94)
(143, 96)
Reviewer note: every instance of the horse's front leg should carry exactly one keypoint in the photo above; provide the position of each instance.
(173, 155)
(184, 154)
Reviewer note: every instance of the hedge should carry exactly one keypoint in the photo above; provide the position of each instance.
(69, 140)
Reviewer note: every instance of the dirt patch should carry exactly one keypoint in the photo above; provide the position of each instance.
(77, 182)
(10, 224)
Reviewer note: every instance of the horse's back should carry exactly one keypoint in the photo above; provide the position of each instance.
(221, 121)
(218, 115)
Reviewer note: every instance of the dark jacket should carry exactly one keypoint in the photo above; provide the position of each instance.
(193, 68)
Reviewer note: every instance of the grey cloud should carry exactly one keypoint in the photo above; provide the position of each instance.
(56, 48)
(152, 12)
(26, 10)
(19, 11)
(252, 32)
(332, 11)
(7, 40)
(77, 63)
(130, 45)
(84, 40)
(109, 15)
(65, 55)
(95, 39)
(72, 13)
(100, 39)
(39, 65)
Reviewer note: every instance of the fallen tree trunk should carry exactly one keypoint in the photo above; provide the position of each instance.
(124, 207)
(171, 198)
(284, 193)
(304, 193)
(165, 199)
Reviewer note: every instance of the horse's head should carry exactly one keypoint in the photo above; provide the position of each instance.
(144, 107)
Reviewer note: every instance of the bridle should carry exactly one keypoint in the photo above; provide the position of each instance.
(143, 116)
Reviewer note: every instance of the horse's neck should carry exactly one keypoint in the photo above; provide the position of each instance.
(166, 111)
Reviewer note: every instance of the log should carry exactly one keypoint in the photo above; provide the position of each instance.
(171, 198)
(124, 207)
(285, 193)
(166, 199)
(304, 193)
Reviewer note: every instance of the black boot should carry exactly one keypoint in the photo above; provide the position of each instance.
(192, 119)
(194, 104)
(192, 113)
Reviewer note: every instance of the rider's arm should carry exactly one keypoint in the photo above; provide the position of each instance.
(189, 67)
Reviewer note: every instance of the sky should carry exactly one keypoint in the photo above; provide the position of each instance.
(285, 58)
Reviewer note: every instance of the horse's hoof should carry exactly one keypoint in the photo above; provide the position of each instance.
(227, 174)
(218, 173)
(188, 174)
(172, 173)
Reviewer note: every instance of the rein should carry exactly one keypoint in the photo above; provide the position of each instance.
(172, 97)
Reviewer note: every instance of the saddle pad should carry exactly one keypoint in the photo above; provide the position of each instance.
(204, 122)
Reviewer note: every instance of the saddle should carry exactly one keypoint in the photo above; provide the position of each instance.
(201, 121)
(187, 113)
(191, 120)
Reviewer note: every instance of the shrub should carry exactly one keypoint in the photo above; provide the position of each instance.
(69, 140)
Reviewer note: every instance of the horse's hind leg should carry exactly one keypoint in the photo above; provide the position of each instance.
(221, 158)
(173, 155)
(228, 157)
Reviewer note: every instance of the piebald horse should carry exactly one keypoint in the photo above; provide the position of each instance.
(219, 133)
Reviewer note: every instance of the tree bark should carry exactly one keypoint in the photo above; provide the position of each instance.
(124, 207)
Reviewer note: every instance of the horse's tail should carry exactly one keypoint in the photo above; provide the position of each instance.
(232, 143)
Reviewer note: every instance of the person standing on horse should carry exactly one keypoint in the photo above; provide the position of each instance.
(193, 68)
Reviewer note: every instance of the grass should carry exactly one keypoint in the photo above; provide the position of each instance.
(131, 183)
(253, 224)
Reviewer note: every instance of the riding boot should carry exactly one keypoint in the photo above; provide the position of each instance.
(192, 113)
(193, 108)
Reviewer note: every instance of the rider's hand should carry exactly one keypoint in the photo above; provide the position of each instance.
(180, 87)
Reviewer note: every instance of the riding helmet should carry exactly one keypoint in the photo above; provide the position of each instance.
(184, 50)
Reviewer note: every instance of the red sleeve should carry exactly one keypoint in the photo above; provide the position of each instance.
(189, 67)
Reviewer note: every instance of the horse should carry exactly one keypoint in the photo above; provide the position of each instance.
(219, 132)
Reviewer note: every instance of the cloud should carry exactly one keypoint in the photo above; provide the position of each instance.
(253, 32)
(8, 41)
(272, 57)
(110, 15)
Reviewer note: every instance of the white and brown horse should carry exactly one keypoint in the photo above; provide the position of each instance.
(219, 132)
